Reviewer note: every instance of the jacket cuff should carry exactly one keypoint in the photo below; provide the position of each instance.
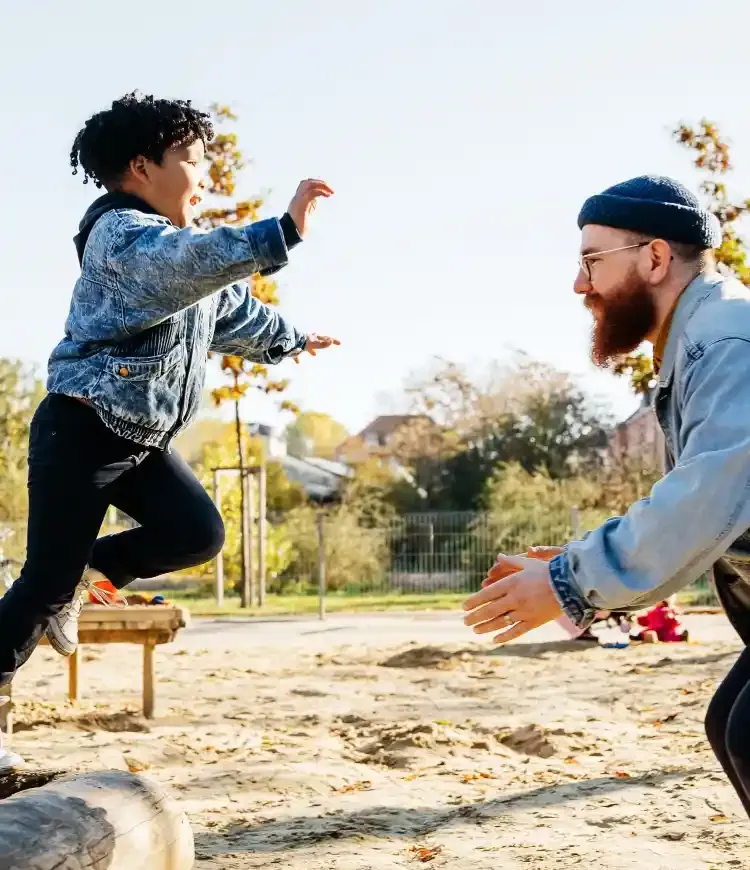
(292, 238)
(575, 606)
(269, 245)
(278, 352)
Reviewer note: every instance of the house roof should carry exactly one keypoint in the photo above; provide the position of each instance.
(320, 478)
(387, 424)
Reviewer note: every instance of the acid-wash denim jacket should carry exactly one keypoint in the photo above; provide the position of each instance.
(152, 300)
(699, 512)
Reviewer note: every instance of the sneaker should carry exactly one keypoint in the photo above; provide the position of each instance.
(8, 760)
(62, 631)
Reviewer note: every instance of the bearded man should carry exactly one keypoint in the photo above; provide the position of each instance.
(646, 273)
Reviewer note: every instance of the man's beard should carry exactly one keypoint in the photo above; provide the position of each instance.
(622, 320)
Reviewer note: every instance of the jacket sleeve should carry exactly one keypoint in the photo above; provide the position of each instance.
(692, 515)
(161, 269)
(246, 327)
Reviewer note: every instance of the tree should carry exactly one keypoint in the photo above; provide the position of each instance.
(225, 162)
(20, 393)
(315, 434)
(464, 428)
(220, 449)
(710, 155)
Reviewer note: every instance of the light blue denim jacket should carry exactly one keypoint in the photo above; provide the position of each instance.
(152, 300)
(700, 511)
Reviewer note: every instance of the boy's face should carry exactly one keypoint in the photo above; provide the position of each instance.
(172, 187)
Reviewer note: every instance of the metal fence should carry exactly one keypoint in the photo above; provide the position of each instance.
(415, 554)
(425, 553)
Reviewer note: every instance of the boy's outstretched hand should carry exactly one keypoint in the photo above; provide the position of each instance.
(317, 342)
(305, 200)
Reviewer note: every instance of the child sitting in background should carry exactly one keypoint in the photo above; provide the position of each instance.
(661, 624)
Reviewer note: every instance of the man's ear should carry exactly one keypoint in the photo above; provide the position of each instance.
(660, 256)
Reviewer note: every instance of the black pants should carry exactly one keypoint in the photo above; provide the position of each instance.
(728, 716)
(728, 727)
(77, 469)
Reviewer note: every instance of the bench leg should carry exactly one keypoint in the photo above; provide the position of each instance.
(6, 712)
(148, 680)
(73, 683)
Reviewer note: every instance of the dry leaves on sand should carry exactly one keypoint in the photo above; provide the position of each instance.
(474, 777)
(363, 785)
(425, 853)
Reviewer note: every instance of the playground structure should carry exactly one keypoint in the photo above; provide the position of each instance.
(147, 625)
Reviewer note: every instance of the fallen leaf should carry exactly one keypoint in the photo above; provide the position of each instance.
(719, 818)
(473, 777)
(136, 766)
(425, 853)
(363, 785)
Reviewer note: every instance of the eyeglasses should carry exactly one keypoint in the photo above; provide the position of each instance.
(584, 261)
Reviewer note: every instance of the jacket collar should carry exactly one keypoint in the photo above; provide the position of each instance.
(691, 299)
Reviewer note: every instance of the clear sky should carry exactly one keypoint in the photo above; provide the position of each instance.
(461, 138)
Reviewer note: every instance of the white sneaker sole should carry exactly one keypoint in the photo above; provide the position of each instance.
(60, 644)
(10, 760)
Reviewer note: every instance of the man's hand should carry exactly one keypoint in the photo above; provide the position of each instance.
(519, 599)
(305, 200)
(317, 342)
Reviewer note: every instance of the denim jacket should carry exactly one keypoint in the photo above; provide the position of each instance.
(151, 302)
(699, 512)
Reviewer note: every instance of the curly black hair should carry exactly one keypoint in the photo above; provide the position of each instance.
(134, 126)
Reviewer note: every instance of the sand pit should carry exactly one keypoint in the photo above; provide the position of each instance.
(351, 746)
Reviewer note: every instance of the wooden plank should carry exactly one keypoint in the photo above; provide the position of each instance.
(149, 683)
(122, 635)
(73, 662)
(149, 616)
(109, 819)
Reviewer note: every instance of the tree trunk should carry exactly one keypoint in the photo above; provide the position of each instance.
(107, 820)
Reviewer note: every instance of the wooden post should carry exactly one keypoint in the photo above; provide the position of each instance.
(6, 711)
(262, 533)
(249, 483)
(148, 680)
(220, 555)
(321, 566)
(73, 662)
(247, 573)
(110, 819)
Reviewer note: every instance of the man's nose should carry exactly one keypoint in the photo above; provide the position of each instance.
(582, 284)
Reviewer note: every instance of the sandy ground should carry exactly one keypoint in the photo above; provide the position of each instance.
(382, 742)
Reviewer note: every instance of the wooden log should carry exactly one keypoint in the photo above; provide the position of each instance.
(108, 819)
(19, 779)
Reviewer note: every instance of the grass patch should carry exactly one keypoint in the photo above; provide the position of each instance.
(296, 605)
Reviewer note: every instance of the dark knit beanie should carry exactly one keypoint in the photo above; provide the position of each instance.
(655, 206)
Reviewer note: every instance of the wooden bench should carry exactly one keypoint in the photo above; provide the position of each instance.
(147, 625)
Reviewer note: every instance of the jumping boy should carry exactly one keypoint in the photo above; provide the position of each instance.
(154, 296)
